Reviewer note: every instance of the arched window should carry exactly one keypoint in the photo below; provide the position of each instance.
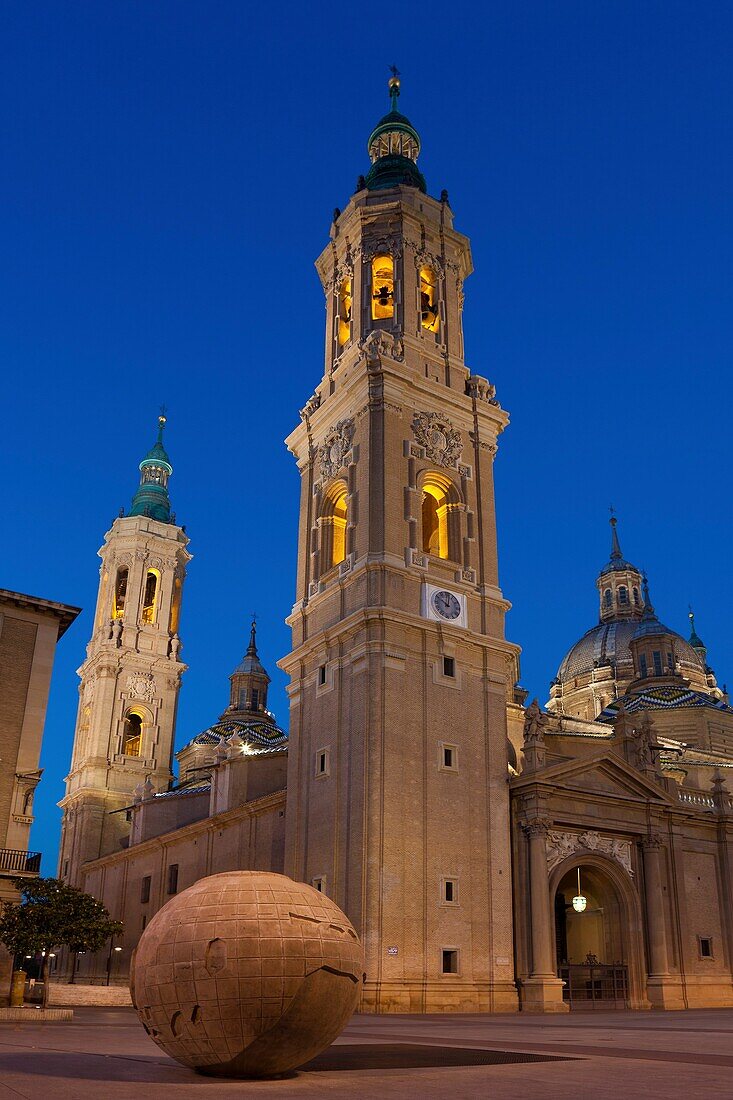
(429, 315)
(120, 594)
(333, 526)
(436, 533)
(132, 735)
(175, 606)
(382, 287)
(623, 594)
(635, 594)
(344, 313)
(150, 596)
(607, 597)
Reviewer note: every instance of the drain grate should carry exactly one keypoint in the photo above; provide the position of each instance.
(355, 1056)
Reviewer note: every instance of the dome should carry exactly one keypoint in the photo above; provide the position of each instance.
(259, 736)
(608, 644)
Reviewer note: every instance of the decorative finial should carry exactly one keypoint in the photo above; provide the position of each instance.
(691, 617)
(162, 421)
(252, 647)
(394, 86)
(615, 546)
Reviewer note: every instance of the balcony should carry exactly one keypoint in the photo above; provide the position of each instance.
(13, 862)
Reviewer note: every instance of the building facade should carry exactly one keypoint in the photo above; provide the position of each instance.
(29, 631)
(491, 855)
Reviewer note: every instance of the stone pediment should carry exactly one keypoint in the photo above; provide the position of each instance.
(604, 773)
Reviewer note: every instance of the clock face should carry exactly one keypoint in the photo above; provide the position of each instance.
(446, 605)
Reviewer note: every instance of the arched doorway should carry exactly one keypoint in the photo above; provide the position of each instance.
(592, 939)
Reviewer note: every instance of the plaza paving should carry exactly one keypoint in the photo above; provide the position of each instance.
(104, 1053)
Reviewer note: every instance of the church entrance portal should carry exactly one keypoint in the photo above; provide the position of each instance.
(589, 939)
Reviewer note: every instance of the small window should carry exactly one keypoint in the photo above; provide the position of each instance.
(450, 891)
(144, 921)
(150, 596)
(449, 666)
(607, 597)
(173, 878)
(637, 598)
(66, 867)
(145, 890)
(450, 961)
(255, 705)
(670, 662)
(322, 673)
(642, 664)
(132, 735)
(706, 947)
(429, 315)
(319, 884)
(382, 287)
(657, 658)
(623, 594)
(344, 313)
(120, 594)
(322, 762)
(449, 757)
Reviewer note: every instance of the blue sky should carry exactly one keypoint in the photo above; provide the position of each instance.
(169, 174)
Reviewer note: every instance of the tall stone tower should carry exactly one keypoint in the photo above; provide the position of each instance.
(400, 672)
(131, 676)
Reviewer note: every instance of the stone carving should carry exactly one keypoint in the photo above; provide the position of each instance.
(201, 996)
(382, 246)
(643, 738)
(481, 389)
(534, 724)
(141, 686)
(379, 343)
(310, 406)
(424, 258)
(336, 446)
(117, 632)
(442, 442)
(175, 647)
(561, 845)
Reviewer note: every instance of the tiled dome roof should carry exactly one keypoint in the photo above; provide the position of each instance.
(608, 644)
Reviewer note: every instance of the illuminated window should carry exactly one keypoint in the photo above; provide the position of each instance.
(344, 313)
(120, 594)
(150, 597)
(132, 736)
(623, 594)
(175, 606)
(435, 508)
(154, 475)
(333, 525)
(429, 315)
(382, 287)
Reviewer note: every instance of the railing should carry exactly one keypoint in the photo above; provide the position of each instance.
(697, 798)
(595, 986)
(13, 862)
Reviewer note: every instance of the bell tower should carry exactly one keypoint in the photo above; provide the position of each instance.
(130, 679)
(400, 671)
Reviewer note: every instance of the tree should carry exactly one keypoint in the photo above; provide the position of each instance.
(51, 914)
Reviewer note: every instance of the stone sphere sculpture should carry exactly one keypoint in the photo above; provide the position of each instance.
(246, 974)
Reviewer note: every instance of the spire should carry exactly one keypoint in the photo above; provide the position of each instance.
(649, 612)
(695, 640)
(252, 647)
(394, 146)
(250, 663)
(151, 499)
(249, 683)
(615, 546)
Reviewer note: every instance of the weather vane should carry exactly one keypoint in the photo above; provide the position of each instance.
(394, 70)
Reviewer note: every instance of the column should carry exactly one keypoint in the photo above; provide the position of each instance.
(655, 918)
(542, 991)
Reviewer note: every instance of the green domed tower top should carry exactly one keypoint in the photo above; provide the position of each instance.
(394, 146)
(152, 499)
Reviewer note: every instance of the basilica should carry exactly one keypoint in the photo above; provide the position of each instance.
(494, 856)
